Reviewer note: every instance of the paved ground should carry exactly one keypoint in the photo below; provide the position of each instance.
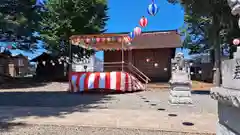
(141, 110)
(76, 130)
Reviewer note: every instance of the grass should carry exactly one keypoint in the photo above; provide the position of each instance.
(198, 85)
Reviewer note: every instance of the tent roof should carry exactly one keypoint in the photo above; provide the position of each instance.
(147, 40)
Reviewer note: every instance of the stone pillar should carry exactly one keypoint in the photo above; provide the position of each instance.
(180, 83)
(228, 96)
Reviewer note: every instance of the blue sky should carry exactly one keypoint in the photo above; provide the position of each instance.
(125, 14)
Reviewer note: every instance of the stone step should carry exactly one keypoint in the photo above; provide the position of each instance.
(180, 100)
(180, 93)
(180, 88)
(178, 82)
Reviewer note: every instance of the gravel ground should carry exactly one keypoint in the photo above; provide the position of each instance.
(202, 102)
(74, 130)
(54, 96)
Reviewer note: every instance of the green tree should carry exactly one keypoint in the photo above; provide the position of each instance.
(65, 18)
(18, 22)
(196, 33)
(210, 24)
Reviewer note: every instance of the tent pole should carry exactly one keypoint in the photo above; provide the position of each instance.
(70, 66)
(122, 56)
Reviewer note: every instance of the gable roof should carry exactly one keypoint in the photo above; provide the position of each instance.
(147, 40)
(44, 56)
(20, 56)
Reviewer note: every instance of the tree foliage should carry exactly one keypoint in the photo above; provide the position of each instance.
(65, 18)
(196, 33)
(206, 22)
(209, 24)
(18, 22)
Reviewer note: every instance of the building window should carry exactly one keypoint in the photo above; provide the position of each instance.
(20, 62)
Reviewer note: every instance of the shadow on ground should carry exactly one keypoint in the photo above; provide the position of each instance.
(8, 126)
(201, 92)
(23, 82)
(46, 104)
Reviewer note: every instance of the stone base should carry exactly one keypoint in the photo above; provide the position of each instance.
(229, 118)
(180, 93)
(222, 130)
(175, 83)
(180, 100)
(228, 110)
(180, 88)
(226, 96)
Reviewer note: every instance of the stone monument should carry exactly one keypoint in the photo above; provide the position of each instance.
(180, 82)
(228, 95)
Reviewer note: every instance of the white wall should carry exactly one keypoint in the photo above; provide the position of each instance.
(93, 64)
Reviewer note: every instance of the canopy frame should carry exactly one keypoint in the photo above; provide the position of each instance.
(81, 39)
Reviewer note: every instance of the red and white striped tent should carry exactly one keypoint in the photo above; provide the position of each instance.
(116, 81)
